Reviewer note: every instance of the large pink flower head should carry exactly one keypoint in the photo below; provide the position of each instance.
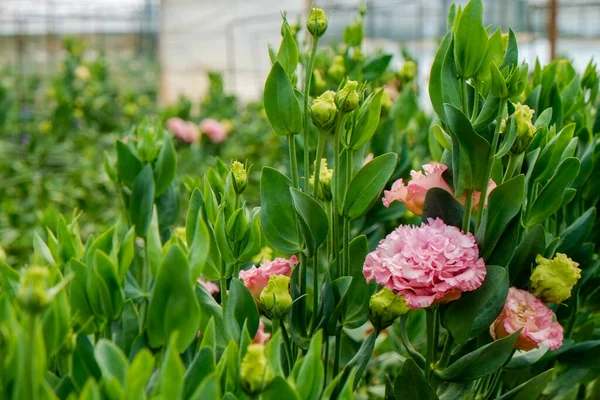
(256, 279)
(430, 264)
(524, 310)
(413, 194)
(215, 130)
(183, 130)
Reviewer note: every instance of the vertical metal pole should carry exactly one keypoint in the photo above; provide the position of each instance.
(552, 26)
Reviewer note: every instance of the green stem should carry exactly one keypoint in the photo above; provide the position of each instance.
(307, 79)
(418, 357)
(145, 288)
(335, 179)
(337, 355)
(346, 228)
(108, 331)
(325, 359)
(286, 345)
(490, 164)
(223, 283)
(302, 301)
(293, 160)
(447, 352)
(315, 273)
(464, 94)
(513, 160)
(436, 332)
(32, 364)
(466, 223)
(320, 149)
(430, 345)
(475, 100)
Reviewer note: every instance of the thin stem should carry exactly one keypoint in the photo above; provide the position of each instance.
(490, 164)
(436, 332)
(223, 283)
(430, 345)
(307, 79)
(337, 355)
(464, 94)
(325, 360)
(32, 364)
(320, 149)
(293, 160)
(108, 330)
(335, 179)
(346, 228)
(418, 357)
(302, 301)
(315, 273)
(286, 345)
(447, 352)
(466, 223)
(145, 287)
(475, 100)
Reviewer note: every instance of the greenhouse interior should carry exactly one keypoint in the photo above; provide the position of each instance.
(299, 199)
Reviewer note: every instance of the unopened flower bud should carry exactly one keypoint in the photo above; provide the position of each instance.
(525, 128)
(354, 33)
(408, 71)
(32, 294)
(552, 280)
(275, 297)
(240, 177)
(385, 307)
(347, 98)
(316, 22)
(325, 175)
(324, 111)
(337, 69)
(254, 371)
(317, 83)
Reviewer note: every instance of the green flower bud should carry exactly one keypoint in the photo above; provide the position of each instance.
(324, 111)
(408, 71)
(347, 98)
(240, 177)
(552, 280)
(147, 147)
(385, 307)
(255, 372)
(317, 83)
(33, 292)
(354, 34)
(275, 297)
(337, 69)
(325, 175)
(525, 128)
(316, 22)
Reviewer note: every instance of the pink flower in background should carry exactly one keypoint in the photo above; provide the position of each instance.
(256, 279)
(183, 130)
(261, 336)
(477, 195)
(413, 194)
(430, 264)
(211, 287)
(215, 130)
(524, 310)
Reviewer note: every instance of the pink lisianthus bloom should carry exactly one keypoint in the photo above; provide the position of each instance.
(184, 130)
(428, 265)
(413, 194)
(215, 130)
(524, 310)
(256, 279)
(477, 196)
(211, 287)
(261, 336)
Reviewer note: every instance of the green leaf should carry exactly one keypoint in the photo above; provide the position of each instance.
(470, 152)
(253, 239)
(313, 220)
(199, 247)
(240, 308)
(577, 232)
(411, 384)
(436, 81)
(142, 200)
(488, 113)
(111, 360)
(208, 389)
(309, 377)
(439, 203)
(493, 53)
(280, 389)
(468, 316)
(281, 105)
(367, 121)
(524, 359)
(367, 184)
(154, 244)
(551, 196)
(128, 163)
(85, 367)
(534, 243)
(511, 57)
(376, 66)
(356, 307)
(173, 306)
(471, 39)
(42, 251)
(288, 50)
(504, 204)
(138, 375)
(584, 354)
(508, 138)
(551, 154)
(531, 389)
(202, 366)
(165, 167)
(222, 240)
(481, 362)
(128, 326)
(169, 382)
(277, 216)
(196, 202)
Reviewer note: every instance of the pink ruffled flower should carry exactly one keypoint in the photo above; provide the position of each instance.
(211, 287)
(524, 310)
(413, 194)
(261, 336)
(215, 130)
(477, 196)
(256, 279)
(430, 264)
(183, 130)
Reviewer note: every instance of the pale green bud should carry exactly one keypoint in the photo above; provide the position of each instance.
(324, 111)
(254, 371)
(240, 177)
(385, 307)
(316, 22)
(525, 128)
(33, 292)
(552, 280)
(325, 175)
(408, 71)
(337, 69)
(347, 98)
(354, 34)
(275, 297)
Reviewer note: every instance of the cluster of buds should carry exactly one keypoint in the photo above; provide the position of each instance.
(325, 175)
(553, 280)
